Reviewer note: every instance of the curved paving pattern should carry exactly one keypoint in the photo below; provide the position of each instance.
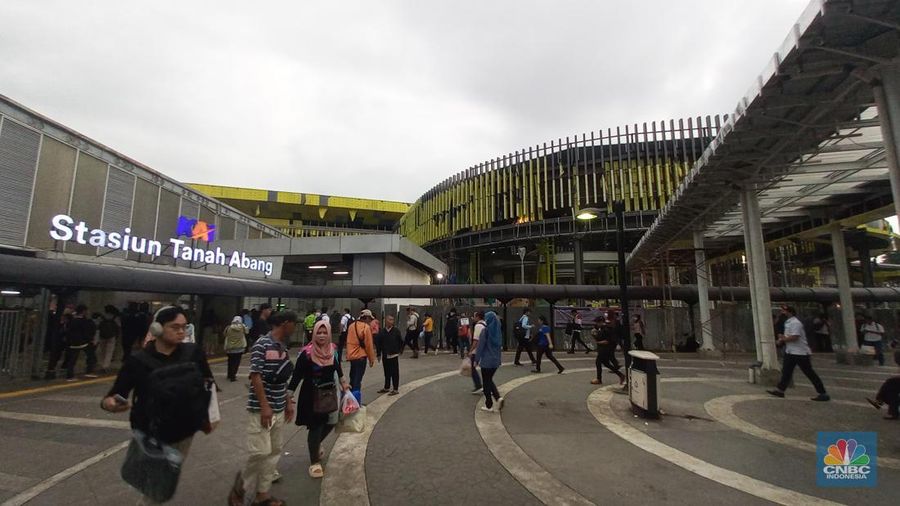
(524, 469)
(599, 405)
(722, 410)
(348, 464)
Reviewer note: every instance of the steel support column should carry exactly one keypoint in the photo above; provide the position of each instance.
(706, 340)
(759, 280)
(887, 98)
(578, 257)
(842, 272)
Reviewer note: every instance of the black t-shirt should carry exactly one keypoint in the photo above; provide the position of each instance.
(80, 331)
(134, 373)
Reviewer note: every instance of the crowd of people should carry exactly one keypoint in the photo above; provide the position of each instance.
(309, 389)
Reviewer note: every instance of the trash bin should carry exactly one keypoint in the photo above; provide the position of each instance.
(643, 384)
(753, 373)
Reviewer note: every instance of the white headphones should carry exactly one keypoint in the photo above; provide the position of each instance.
(156, 328)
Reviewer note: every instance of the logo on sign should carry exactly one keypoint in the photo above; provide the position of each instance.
(195, 229)
(846, 459)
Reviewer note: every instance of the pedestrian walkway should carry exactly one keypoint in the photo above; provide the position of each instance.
(558, 440)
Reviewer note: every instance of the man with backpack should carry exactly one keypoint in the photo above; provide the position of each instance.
(80, 337)
(270, 408)
(451, 327)
(342, 340)
(412, 332)
(170, 381)
(522, 331)
(573, 330)
(109, 332)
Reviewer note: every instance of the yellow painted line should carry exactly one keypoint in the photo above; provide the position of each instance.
(64, 386)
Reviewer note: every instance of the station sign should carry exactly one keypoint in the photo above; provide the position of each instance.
(65, 228)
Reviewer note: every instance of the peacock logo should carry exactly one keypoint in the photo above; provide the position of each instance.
(847, 459)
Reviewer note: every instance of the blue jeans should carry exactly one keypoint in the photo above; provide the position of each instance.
(476, 378)
(463, 346)
(357, 370)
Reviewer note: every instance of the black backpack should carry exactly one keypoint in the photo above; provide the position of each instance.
(519, 330)
(177, 398)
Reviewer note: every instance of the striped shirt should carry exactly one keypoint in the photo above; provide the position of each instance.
(266, 356)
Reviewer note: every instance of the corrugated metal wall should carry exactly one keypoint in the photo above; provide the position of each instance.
(18, 160)
(117, 207)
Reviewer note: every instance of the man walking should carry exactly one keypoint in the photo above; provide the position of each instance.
(477, 331)
(606, 351)
(360, 348)
(269, 408)
(574, 332)
(522, 332)
(80, 336)
(873, 333)
(451, 327)
(796, 353)
(109, 332)
(342, 339)
(389, 342)
(412, 331)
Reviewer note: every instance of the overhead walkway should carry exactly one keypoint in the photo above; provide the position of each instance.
(813, 143)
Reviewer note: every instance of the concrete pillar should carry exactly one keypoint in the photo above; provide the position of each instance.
(842, 273)
(887, 98)
(865, 260)
(706, 340)
(759, 280)
(753, 302)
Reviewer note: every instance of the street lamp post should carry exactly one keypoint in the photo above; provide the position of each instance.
(522, 252)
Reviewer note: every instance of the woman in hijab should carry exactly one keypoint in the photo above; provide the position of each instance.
(235, 344)
(320, 374)
(488, 354)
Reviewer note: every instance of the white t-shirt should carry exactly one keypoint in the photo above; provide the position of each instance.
(345, 320)
(794, 327)
(872, 332)
(325, 318)
(479, 328)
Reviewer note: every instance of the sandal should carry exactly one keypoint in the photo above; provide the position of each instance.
(315, 471)
(236, 496)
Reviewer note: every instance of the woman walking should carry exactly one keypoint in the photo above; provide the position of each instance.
(545, 346)
(606, 351)
(318, 373)
(235, 344)
(488, 353)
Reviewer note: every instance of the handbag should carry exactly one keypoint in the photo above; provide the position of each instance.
(325, 398)
(152, 467)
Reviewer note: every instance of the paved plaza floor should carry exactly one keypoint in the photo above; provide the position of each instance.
(558, 440)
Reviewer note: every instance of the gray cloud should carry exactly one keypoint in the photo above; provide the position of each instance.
(372, 99)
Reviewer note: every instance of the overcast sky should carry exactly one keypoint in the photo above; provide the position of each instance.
(377, 99)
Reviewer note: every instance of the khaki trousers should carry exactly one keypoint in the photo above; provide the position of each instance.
(264, 445)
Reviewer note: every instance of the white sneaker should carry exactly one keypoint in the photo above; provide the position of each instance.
(477, 391)
(500, 404)
(485, 408)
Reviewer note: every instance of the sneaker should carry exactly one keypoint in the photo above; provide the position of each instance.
(477, 391)
(821, 398)
(393, 392)
(596, 382)
(517, 364)
(500, 404)
(776, 393)
(383, 391)
(70, 380)
(535, 371)
(91, 375)
(875, 404)
(561, 370)
(485, 408)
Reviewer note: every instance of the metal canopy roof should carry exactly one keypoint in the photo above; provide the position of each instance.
(806, 136)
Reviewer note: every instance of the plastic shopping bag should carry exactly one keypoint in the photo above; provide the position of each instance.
(353, 416)
(867, 349)
(349, 404)
(465, 369)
